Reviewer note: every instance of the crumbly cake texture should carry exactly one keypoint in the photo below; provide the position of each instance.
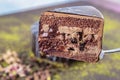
(70, 36)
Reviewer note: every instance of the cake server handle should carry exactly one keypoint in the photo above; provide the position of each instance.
(103, 52)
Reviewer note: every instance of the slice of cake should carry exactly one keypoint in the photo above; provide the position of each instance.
(71, 33)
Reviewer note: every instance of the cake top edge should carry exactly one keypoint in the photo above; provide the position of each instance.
(62, 14)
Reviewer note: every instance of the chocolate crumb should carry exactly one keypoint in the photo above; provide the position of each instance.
(80, 35)
(63, 34)
(82, 46)
(74, 40)
(71, 48)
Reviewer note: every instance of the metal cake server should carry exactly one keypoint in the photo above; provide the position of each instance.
(84, 9)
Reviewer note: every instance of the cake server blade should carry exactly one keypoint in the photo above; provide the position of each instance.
(69, 3)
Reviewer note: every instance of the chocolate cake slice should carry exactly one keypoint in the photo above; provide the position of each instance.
(72, 32)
